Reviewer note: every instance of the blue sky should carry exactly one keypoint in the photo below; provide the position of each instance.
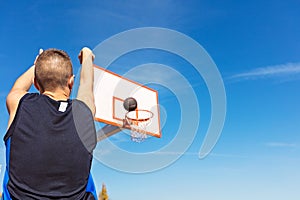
(255, 46)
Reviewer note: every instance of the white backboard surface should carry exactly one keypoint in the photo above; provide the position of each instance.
(111, 89)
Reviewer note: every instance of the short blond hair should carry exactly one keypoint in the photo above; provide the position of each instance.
(53, 68)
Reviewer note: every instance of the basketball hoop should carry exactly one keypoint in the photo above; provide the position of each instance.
(138, 121)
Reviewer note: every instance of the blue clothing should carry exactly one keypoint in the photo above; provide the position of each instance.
(49, 150)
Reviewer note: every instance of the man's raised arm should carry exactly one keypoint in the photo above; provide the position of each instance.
(20, 88)
(86, 86)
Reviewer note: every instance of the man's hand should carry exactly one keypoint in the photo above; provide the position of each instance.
(86, 54)
(40, 51)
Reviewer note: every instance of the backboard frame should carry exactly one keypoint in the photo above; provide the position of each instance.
(117, 121)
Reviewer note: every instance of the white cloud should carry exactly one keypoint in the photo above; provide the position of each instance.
(225, 155)
(289, 70)
(197, 154)
(176, 153)
(280, 144)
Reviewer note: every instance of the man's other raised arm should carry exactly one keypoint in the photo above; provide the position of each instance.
(86, 85)
(19, 89)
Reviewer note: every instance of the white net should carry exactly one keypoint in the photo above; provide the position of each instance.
(138, 121)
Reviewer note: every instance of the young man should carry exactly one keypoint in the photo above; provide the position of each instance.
(50, 138)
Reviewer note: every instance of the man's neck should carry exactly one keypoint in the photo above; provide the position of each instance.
(58, 95)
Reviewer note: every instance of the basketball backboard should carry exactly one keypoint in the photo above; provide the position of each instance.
(110, 91)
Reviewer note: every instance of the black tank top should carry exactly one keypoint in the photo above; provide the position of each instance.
(51, 144)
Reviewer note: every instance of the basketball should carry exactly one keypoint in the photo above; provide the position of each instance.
(130, 104)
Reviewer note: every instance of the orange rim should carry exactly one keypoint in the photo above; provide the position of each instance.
(139, 120)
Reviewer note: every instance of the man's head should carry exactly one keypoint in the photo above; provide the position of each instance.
(53, 71)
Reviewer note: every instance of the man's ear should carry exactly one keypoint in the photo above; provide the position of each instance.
(71, 82)
(36, 85)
